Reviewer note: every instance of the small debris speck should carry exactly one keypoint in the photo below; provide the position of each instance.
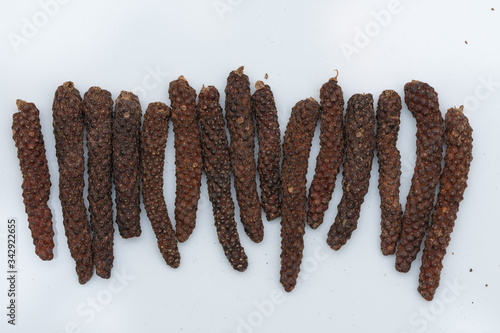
(470, 270)
(466, 42)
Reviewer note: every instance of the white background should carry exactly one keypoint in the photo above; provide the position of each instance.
(453, 45)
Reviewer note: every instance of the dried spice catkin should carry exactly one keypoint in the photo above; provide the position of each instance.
(241, 129)
(296, 148)
(330, 155)
(28, 137)
(217, 166)
(97, 114)
(359, 152)
(422, 101)
(154, 135)
(188, 160)
(68, 131)
(389, 167)
(452, 186)
(269, 137)
(126, 162)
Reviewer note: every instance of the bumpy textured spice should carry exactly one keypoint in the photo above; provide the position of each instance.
(188, 160)
(97, 114)
(359, 152)
(296, 148)
(242, 132)
(126, 173)
(422, 101)
(330, 155)
(153, 141)
(68, 131)
(389, 167)
(217, 166)
(269, 136)
(28, 137)
(452, 186)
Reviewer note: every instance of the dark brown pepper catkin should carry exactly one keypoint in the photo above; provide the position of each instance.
(97, 114)
(217, 166)
(188, 160)
(330, 155)
(68, 131)
(452, 186)
(359, 152)
(126, 163)
(389, 167)
(422, 101)
(28, 137)
(269, 137)
(153, 141)
(242, 132)
(296, 148)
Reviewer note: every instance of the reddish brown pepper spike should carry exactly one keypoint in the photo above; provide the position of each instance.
(126, 163)
(359, 152)
(68, 132)
(28, 137)
(154, 135)
(389, 161)
(269, 137)
(331, 153)
(217, 166)
(241, 129)
(296, 148)
(422, 101)
(188, 160)
(97, 114)
(452, 186)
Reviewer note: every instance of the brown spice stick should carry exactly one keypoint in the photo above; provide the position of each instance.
(68, 131)
(188, 160)
(126, 163)
(453, 184)
(28, 137)
(269, 137)
(217, 166)
(359, 152)
(154, 135)
(422, 101)
(296, 148)
(97, 114)
(242, 132)
(389, 161)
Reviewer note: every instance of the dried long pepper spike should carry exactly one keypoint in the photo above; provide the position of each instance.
(97, 114)
(28, 137)
(188, 160)
(330, 155)
(269, 137)
(126, 163)
(68, 131)
(422, 101)
(359, 152)
(296, 148)
(452, 186)
(389, 161)
(242, 132)
(217, 166)
(154, 135)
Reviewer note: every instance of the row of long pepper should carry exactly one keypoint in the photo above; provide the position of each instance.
(132, 157)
